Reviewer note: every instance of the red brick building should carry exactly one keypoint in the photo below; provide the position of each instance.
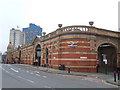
(77, 47)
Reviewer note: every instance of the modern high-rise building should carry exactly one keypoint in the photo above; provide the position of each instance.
(16, 37)
(31, 32)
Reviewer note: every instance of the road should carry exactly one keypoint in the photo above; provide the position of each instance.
(23, 76)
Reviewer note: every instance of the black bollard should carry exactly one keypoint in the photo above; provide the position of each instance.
(118, 75)
(114, 76)
(69, 70)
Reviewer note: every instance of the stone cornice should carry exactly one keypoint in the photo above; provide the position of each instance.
(88, 30)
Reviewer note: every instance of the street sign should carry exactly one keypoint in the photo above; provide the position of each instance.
(83, 57)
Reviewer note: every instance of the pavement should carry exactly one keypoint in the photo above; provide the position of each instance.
(108, 78)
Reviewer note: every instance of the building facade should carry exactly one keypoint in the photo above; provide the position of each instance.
(4, 57)
(75, 47)
(0, 57)
(119, 16)
(31, 32)
(9, 52)
(16, 37)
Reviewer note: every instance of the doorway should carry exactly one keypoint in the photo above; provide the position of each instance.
(38, 54)
(107, 57)
(19, 59)
(46, 56)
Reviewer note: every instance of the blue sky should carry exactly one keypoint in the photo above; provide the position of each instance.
(49, 13)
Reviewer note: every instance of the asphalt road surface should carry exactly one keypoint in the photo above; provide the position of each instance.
(23, 76)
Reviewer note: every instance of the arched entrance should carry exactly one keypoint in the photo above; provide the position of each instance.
(107, 52)
(38, 54)
(19, 58)
(46, 55)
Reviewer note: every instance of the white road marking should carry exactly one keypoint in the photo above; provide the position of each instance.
(45, 76)
(37, 74)
(8, 65)
(27, 71)
(26, 79)
(14, 70)
(31, 73)
(30, 81)
(93, 79)
(19, 76)
(109, 84)
(3, 69)
(11, 73)
(7, 71)
(47, 87)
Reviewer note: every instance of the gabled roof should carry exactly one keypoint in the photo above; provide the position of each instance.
(37, 38)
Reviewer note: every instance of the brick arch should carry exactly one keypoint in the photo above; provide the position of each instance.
(36, 46)
(112, 58)
(103, 42)
(35, 53)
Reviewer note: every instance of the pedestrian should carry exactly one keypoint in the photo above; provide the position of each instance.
(36, 61)
(97, 65)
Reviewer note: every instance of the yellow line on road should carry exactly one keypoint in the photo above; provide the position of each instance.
(109, 84)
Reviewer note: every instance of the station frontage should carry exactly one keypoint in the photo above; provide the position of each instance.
(80, 48)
